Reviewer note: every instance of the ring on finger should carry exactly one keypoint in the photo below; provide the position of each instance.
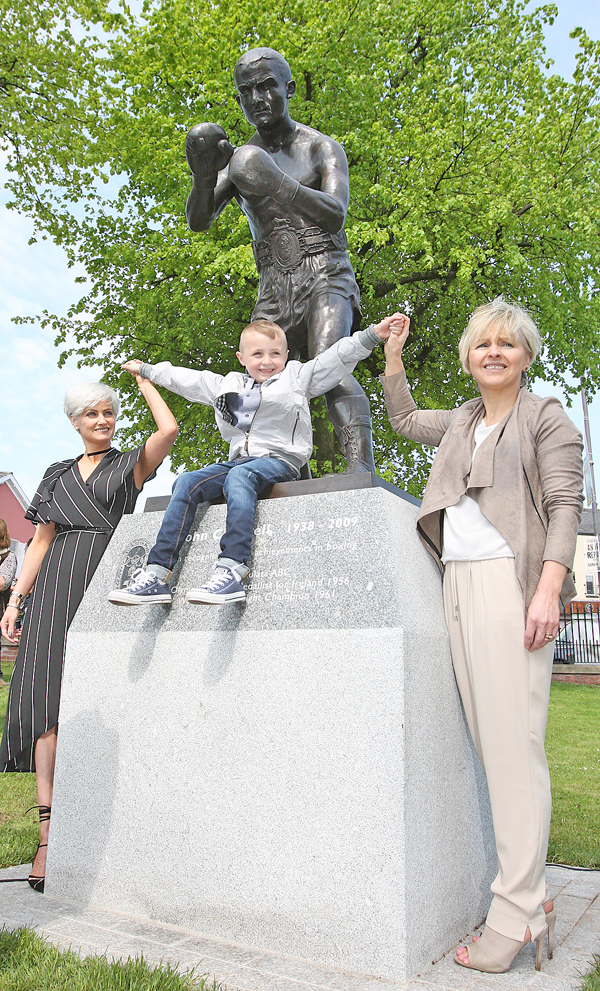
(548, 636)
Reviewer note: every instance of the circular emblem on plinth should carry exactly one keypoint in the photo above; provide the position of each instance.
(287, 253)
(135, 557)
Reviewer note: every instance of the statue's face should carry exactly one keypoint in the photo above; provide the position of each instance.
(262, 92)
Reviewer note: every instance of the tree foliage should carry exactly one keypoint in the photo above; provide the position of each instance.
(473, 172)
(50, 75)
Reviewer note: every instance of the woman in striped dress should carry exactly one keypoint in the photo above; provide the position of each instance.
(76, 508)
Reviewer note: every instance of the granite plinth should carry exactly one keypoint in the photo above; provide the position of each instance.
(293, 773)
(305, 486)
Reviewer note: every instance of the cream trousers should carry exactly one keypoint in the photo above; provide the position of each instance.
(505, 692)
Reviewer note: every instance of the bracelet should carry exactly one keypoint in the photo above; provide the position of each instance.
(11, 605)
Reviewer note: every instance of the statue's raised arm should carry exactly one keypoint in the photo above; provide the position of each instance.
(208, 152)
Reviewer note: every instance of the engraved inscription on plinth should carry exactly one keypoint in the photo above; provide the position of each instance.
(286, 553)
(319, 561)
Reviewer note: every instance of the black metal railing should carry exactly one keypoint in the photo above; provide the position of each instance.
(578, 640)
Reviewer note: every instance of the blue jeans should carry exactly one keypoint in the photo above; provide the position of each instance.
(241, 482)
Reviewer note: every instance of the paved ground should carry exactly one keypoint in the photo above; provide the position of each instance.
(576, 893)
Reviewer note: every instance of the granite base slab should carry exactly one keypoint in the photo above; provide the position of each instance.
(293, 773)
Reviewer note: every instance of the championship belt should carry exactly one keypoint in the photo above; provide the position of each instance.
(286, 246)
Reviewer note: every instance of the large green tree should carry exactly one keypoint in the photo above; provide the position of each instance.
(51, 75)
(473, 172)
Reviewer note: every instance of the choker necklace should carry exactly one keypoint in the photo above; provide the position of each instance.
(96, 453)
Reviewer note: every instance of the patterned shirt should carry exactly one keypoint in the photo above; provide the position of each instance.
(243, 405)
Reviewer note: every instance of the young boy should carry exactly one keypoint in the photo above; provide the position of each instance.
(263, 412)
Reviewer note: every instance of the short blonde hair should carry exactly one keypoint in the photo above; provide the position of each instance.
(272, 330)
(510, 318)
(4, 536)
(80, 397)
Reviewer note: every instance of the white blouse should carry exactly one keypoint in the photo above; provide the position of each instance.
(468, 535)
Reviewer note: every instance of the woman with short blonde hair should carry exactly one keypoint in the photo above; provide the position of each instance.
(76, 509)
(500, 516)
(509, 319)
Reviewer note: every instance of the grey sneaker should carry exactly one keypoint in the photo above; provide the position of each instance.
(224, 586)
(144, 587)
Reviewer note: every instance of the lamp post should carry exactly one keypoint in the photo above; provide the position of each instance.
(592, 480)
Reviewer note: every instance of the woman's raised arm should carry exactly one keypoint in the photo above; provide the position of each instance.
(159, 443)
(423, 426)
(399, 326)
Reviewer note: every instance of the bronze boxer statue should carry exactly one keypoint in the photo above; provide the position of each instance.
(291, 182)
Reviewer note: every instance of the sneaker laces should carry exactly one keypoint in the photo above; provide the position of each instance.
(221, 576)
(142, 579)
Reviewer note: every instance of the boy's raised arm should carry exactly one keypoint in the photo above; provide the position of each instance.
(197, 386)
(329, 368)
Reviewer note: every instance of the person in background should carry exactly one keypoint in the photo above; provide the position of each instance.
(8, 568)
(500, 516)
(76, 508)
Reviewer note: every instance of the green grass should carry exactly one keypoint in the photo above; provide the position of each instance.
(7, 670)
(18, 832)
(573, 749)
(27, 963)
(591, 981)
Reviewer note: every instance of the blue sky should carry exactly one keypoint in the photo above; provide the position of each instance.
(35, 431)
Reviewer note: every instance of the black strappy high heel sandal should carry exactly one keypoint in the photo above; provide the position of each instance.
(37, 883)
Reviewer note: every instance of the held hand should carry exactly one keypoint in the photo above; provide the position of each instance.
(392, 325)
(399, 327)
(207, 150)
(132, 366)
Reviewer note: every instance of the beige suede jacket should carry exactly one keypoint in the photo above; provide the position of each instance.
(527, 477)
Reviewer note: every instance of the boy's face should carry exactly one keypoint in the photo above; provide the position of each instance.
(262, 356)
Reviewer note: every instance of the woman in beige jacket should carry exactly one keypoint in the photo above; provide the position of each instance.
(500, 516)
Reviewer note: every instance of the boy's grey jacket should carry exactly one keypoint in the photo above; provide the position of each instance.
(281, 424)
(527, 478)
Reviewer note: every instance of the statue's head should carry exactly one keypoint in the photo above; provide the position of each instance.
(264, 86)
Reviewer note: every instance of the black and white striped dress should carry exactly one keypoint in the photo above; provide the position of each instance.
(85, 515)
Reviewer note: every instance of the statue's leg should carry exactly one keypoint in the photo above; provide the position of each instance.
(330, 318)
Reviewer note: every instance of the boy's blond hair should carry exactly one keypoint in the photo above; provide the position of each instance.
(272, 330)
